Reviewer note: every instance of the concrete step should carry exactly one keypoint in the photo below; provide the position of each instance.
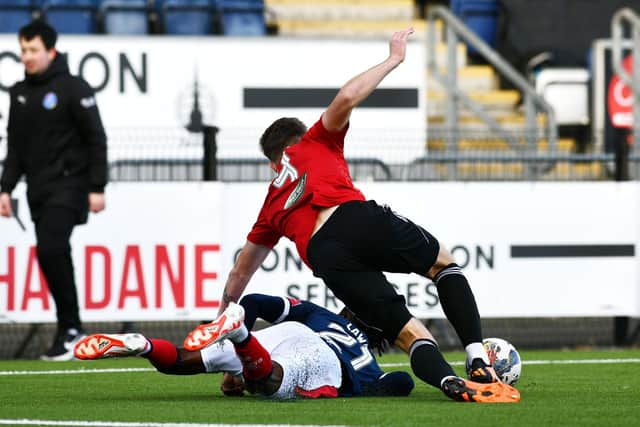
(350, 28)
(472, 125)
(326, 10)
(582, 171)
(470, 78)
(505, 171)
(503, 102)
(563, 145)
(442, 58)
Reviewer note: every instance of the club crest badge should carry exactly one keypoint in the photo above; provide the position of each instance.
(50, 101)
(297, 192)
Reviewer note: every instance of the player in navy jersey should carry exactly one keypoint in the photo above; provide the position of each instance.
(309, 352)
(349, 343)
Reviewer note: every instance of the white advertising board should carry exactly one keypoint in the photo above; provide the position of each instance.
(528, 250)
(153, 254)
(148, 87)
(162, 251)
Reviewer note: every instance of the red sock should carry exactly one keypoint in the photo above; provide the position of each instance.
(163, 354)
(256, 361)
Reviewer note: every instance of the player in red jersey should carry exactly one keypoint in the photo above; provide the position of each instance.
(348, 241)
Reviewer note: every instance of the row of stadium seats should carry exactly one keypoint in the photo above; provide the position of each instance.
(344, 18)
(178, 17)
(332, 10)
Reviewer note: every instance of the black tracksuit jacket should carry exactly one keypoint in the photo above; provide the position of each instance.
(56, 139)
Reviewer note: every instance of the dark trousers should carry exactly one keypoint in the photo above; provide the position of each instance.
(355, 245)
(53, 231)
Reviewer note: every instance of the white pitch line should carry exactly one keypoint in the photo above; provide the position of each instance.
(77, 371)
(384, 365)
(580, 361)
(26, 422)
(542, 362)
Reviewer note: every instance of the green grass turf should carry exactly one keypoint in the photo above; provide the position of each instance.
(552, 395)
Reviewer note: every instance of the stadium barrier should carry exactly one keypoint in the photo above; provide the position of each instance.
(162, 251)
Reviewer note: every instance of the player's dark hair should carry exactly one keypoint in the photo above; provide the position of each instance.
(279, 136)
(39, 28)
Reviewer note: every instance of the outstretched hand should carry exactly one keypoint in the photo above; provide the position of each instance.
(398, 44)
(232, 385)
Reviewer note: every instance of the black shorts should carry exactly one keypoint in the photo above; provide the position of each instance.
(356, 244)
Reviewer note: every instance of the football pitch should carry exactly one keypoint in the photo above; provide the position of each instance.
(559, 388)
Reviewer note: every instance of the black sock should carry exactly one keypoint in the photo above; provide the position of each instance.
(459, 304)
(427, 362)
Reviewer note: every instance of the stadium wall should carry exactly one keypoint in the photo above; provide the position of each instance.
(238, 85)
(162, 251)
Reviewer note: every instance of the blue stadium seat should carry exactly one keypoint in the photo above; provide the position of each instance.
(124, 16)
(187, 17)
(479, 15)
(242, 17)
(71, 16)
(14, 14)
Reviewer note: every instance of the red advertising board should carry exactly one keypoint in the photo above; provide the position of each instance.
(620, 98)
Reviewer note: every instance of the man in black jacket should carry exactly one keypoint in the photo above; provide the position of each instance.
(56, 139)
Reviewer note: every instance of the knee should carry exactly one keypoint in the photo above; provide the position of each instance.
(411, 332)
(444, 260)
(451, 273)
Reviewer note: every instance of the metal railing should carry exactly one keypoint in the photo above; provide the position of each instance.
(196, 160)
(620, 18)
(456, 30)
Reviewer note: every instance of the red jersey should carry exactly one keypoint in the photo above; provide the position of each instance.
(312, 175)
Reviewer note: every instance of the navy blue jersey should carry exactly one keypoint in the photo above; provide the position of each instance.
(359, 366)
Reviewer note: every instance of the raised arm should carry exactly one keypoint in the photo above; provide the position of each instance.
(358, 88)
(249, 259)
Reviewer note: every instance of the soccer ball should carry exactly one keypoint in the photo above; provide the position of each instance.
(505, 359)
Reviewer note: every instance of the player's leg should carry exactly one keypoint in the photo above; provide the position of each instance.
(54, 226)
(411, 248)
(339, 253)
(374, 300)
(424, 351)
(162, 354)
(459, 305)
(361, 235)
(260, 373)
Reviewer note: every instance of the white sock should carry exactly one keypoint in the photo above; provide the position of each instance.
(147, 347)
(138, 343)
(239, 335)
(476, 351)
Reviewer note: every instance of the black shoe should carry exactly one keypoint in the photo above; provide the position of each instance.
(62, 347)
(480, 372)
